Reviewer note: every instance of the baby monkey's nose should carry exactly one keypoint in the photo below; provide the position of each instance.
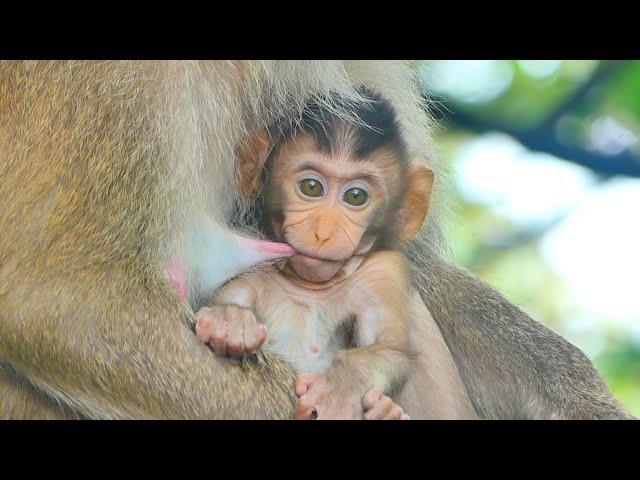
(324, 230)
(322, 238)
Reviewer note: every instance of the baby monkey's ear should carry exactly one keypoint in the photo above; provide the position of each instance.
(416, 201)
(251, 159)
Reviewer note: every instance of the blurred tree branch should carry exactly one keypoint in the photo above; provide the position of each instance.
(544, 139)
(604, 71)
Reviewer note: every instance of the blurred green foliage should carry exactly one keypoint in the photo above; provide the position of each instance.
(506, 255)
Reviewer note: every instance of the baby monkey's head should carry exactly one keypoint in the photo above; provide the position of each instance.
(337, 186)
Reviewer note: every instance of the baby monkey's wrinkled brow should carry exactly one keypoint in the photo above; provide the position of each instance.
(353, 173)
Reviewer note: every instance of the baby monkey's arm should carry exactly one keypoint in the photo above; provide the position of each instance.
(380, 363)
(229, 325)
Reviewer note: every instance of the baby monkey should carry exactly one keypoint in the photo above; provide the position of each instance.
(344, 194)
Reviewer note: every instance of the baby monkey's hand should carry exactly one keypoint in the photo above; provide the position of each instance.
(230, 330)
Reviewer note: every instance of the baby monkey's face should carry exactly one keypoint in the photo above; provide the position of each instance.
(327, 203)
(330, 204)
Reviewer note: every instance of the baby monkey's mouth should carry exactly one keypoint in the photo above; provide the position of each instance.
(314, 269)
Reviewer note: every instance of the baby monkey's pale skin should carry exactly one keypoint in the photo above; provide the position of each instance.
(342, 309)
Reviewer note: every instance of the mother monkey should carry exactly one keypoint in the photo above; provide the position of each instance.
(111, 170)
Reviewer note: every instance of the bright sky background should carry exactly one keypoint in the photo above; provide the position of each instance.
(595, 246)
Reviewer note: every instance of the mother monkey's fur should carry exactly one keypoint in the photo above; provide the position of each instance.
(103, 166)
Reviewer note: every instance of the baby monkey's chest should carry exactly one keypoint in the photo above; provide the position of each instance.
(308, 333)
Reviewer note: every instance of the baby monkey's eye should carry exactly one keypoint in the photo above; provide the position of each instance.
(311, 187)
(355, 197)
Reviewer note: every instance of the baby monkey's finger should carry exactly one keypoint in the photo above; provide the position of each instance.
(395, 413)
(204, 324)
(305, 410)
(254, 335)
(304, 382)
(371, 398)
(219, 337)
(235, 340)
(380, 410)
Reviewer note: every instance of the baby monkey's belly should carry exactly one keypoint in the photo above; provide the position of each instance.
(306, 334)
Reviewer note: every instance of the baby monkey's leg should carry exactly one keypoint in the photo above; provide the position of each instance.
(230, 330)
(317, 400)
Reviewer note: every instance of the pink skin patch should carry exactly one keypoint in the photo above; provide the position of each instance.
(175, 274)
(270, 250)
